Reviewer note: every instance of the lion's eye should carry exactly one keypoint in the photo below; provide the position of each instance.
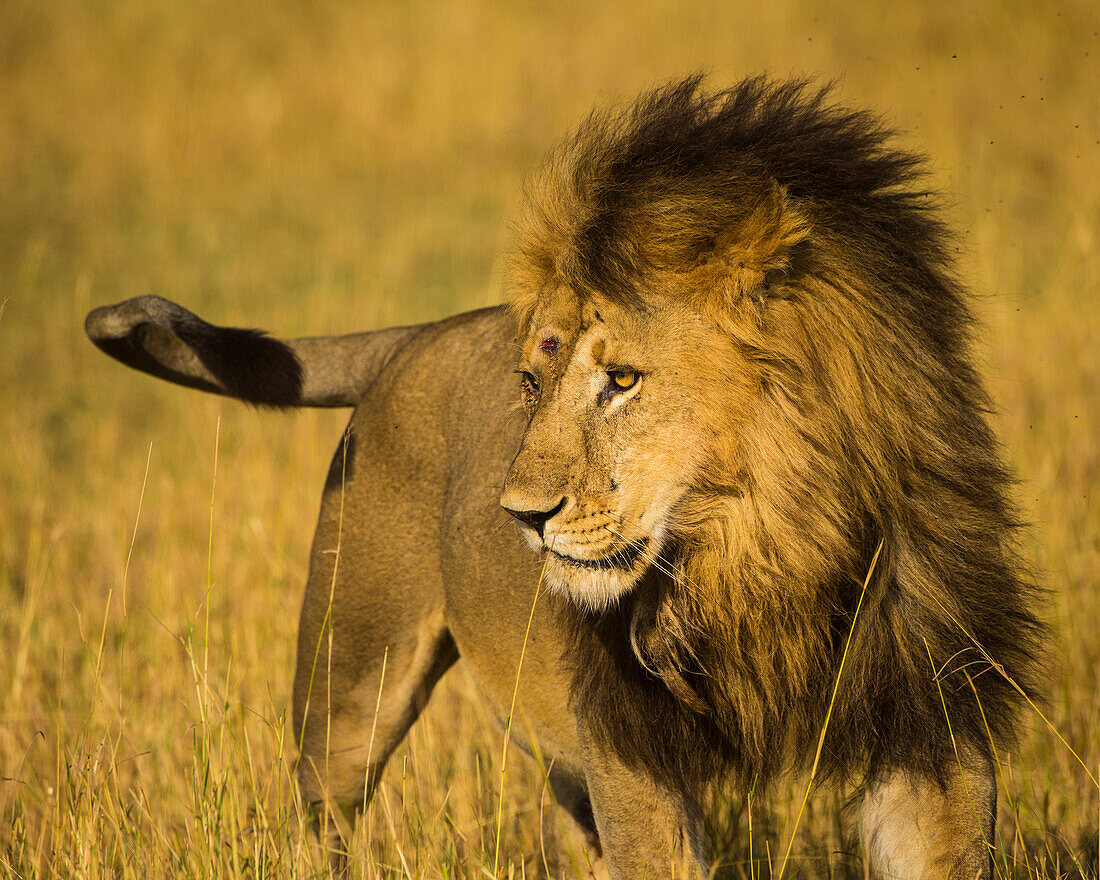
(624, 380)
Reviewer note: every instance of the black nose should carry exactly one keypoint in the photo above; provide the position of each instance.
(536, 519)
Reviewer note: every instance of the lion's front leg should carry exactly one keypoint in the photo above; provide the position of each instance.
(646, 830)
(918, 829)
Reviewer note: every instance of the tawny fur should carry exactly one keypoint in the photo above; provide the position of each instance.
(804, 396)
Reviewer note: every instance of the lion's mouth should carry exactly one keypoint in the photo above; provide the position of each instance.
(624, 558)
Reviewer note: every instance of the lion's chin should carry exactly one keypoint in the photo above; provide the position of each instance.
(593, 589)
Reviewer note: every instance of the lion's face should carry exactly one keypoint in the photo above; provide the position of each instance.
(627, 409)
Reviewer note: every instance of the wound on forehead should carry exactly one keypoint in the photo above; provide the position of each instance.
(550, 344)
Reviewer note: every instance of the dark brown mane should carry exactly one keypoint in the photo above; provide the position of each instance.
(811, 239)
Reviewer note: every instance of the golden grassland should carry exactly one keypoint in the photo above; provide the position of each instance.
(323, 167)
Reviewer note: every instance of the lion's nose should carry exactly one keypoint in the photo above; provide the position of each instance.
(536, 519)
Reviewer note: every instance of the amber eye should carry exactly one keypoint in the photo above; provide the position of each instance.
(623, 380)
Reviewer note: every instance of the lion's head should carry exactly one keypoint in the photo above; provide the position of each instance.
(744, 360)
(632, 413)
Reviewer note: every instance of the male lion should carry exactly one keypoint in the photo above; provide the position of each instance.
(753, 458)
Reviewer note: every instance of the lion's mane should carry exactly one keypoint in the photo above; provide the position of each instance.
(803, 232)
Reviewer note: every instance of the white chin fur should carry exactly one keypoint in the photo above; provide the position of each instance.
(591, 590)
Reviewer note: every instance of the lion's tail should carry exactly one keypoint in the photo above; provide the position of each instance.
(159, 337)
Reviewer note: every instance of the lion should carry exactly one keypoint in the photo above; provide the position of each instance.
(750, 453)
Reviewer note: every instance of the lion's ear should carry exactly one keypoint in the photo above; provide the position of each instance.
(758, 247)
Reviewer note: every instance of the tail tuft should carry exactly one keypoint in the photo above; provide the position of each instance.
(164, 339)
(249, 364)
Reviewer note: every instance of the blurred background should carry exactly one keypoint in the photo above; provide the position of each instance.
(316, 168)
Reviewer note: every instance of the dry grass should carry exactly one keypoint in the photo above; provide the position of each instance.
(320, 167)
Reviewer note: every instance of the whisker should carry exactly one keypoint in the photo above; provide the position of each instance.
(659, 561)
(656, 563)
